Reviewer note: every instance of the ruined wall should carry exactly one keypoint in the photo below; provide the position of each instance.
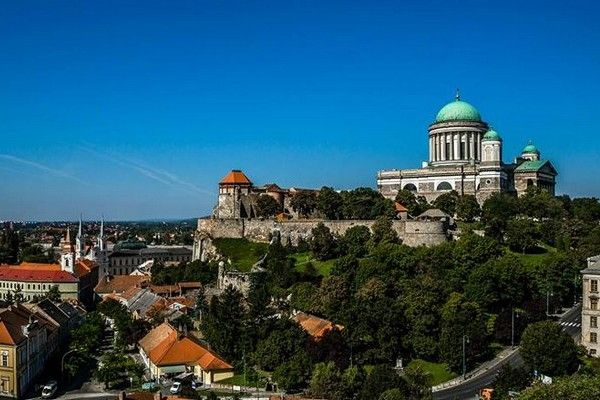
(412, 233)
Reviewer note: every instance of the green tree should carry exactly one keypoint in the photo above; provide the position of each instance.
(461, 318)
(267, 206)
(380, 379)
(547, 349)
(383, 232)
(366, 203)
(326, 381)
(392, 394)
(223, 324)
(282, 343)
(540, 204)
(294, 373)
(586, 208)
(354, 242)
(415, 205)
(304, 202)
(572, 388)
(496, 211)
(510, 379)
(329, 202)
(447, 202)
(467, 208)
(322, 243)
(522, 235)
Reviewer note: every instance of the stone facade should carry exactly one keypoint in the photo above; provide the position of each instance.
(412, 233)
(590, 310)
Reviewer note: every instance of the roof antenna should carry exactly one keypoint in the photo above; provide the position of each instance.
(457, 97)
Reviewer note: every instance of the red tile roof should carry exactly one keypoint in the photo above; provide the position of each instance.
(236, 177)
(120, 283)
(399, 207)
(27, 274)
(315, 326)
(164, 346)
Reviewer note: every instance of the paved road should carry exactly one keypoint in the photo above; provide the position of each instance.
(571, 323)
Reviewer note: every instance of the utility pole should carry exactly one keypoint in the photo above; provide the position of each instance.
(464, 344)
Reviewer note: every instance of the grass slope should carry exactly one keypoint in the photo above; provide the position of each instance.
(242, 252)
(439, 372)
(323, 267)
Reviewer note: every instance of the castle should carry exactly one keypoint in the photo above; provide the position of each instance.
(465, 155)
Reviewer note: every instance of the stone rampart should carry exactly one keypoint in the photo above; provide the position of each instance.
(412, 233)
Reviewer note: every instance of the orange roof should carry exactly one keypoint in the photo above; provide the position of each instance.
(236, 177)
(314, 326)
(36, 275)
(36, 266)
(120, 283)
(399, 207)
(164, 346)
(83, 267)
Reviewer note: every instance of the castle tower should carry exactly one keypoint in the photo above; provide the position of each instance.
(455, 135)
(231, 189)
(492, 176)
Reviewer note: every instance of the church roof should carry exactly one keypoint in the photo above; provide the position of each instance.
(26, 273)
(532, 166)
(530, 149)
(458, 110)
(236, 177)
(491, 135)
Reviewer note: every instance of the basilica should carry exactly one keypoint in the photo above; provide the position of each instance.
(465, 155)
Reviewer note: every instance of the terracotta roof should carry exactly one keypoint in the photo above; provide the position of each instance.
(314, 326)
(165, 289)
(236, 177)
(36, 266)
(164, 346)
(8, 273)
(399, 207)
(13, 318)
(120, 283)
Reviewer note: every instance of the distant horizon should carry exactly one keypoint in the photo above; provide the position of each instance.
(137, 112)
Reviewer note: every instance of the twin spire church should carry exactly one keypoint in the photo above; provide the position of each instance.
(465, 155)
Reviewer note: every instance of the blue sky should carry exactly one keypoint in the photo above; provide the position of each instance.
(137, 109)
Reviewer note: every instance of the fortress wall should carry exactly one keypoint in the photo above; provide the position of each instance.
(412, 233)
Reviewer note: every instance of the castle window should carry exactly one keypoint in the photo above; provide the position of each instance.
(594, 286)
(593, 322)
(444, 186)
(593, 337)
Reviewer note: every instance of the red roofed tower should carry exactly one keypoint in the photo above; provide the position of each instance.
(234, 185)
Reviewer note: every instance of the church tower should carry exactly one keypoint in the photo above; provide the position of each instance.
(67, 256)
(491, 144)
(79, 242)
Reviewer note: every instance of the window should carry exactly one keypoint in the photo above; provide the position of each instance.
(594, 286)
(593, 304)
(4, 359)
(593, 322)
(4, 385)
(593, 337)
(592, 352)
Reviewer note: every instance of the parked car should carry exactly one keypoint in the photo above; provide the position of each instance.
(149, 386)
(175, 388)
(49, 390)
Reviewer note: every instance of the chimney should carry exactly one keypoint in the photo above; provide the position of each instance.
(122, 396)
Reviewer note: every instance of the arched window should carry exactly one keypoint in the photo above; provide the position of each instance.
(529, 183)
(444, 186)
(410, 187)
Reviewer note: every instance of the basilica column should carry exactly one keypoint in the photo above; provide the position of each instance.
(456, 139)
(472, 145)
(430, 149)
(478, 135)
(444, 146)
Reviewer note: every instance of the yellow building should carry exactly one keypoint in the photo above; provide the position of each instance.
(167, 352)
(25, 340)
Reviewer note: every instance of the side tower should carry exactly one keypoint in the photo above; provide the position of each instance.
(492, 176)
(532, 170)
(232, 188)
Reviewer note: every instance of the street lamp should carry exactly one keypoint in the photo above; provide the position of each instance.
(465, 340)
(512, 329)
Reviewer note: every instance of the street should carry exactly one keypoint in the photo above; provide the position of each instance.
(571, 323)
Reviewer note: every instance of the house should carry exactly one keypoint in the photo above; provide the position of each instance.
(167, 352)
(120, 284)
(65, 316)
(316, 327)
(27, 341)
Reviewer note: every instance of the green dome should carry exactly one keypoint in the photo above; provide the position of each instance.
(458, 110)
(530, 149)
(491, 135)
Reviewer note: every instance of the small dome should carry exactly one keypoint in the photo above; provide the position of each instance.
(530, 149)
(458, 110)
(491, 135)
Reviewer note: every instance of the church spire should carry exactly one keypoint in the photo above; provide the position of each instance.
(79, 242)
(101, 236)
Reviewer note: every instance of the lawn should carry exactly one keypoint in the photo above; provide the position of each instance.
(239, 380)
(439, 372)
(534, 259)
(323, 267)
(242, 252)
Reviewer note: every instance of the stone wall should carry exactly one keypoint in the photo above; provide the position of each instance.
(412, 233)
